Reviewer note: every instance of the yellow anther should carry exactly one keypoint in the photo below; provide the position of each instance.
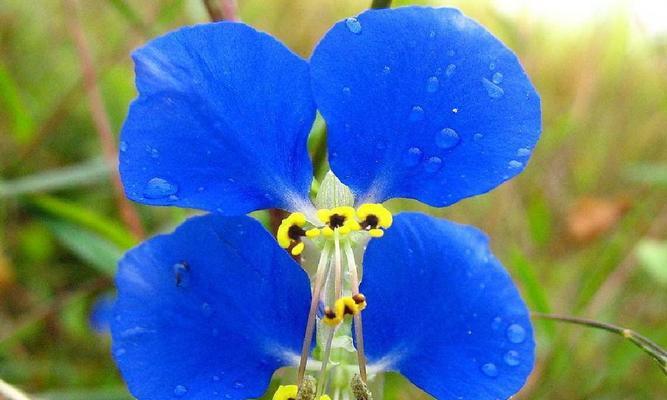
(298, 249)
(327, 232)
(286, 392)
(376, 233)
(291, 231)
(289, 392)
(379, 215)
(314, 232)
(348, 305)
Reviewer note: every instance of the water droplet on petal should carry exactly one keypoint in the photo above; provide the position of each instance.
(447, 138)
(451, 68)
(347, 91)
(490, 370)
(432, 84)
(238, 385)
(413, 156)
(514, 164)
(180, 391)
(516, 333)
(216, 378)
(451, 53)
(206, 309)
(386, 69)
(181, 274)
(497, 78)
(158, 188)
(477, 137)
(511, 358)
(120, 352)
(492, 66)
(497, 322)
(353, 25)
(523, 152)
(417, 114)
(493, 90)
(122, 146)
(433, 164)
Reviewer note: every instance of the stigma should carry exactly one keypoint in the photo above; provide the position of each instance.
(370, 218)
(348, 305)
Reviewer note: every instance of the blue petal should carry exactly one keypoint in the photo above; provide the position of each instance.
(220, 124)
(212, 309)
(423, 103)
(101, 313)
(443, 311)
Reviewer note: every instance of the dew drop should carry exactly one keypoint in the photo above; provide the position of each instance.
(447, 138)
(514, 164)
(353, 25)
(433, 164)
(413, 156)
(158, 188)
(206, 309)
(511, 358)
(216, 378)
(417, 114)
(492, 66)
(490, 370)
(497, 78)
(477, 137)
(450, 53)
(238, 385)
(180, 391)
(432, 84)
(386, 69)
(451, 68)
(181, 274)
(497, 322)
(122, 146)
(523, 152)
(494, 91)
(516, 333)
(120, 352)
(200, 189)
(346, 90)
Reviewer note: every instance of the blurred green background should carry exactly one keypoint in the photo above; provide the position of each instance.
(582, 231)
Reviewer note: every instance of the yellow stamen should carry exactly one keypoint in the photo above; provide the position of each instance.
(376, 233)
(286, 392)
(384, 217)
(314, 232)
(351, 305)
(327, 231)
(298, 249)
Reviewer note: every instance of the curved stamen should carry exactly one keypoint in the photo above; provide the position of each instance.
(310, 325)
(358, 328)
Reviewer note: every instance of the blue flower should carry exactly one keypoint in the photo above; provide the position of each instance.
(420, 103)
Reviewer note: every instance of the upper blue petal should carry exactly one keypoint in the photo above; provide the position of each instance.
(220, 124)
(211, 310)
(423, 103)
(443, 311)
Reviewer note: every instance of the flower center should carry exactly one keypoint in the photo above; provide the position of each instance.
(368, 218)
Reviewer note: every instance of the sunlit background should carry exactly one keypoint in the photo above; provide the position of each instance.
(583, 231)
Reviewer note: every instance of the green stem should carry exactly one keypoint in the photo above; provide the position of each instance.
(381, 4)
(644, 343)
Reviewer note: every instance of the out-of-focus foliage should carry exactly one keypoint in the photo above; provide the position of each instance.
(570, 229)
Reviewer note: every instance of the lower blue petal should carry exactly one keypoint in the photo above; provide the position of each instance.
(443, 311)
(423, 103)
(209, 311)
